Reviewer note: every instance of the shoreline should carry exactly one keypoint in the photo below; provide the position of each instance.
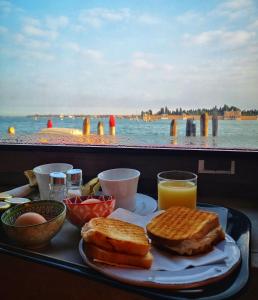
(145, 117)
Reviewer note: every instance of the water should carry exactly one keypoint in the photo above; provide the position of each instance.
(232, 133)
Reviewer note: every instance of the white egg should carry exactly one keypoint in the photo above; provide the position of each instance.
(29, 218)
(91, 200)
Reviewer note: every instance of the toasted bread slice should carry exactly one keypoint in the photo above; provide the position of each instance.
(181, 223)
(193, 247)
(185, 231)
(117, 236)
(118, 259)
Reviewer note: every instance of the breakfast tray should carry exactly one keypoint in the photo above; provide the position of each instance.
(63, 253)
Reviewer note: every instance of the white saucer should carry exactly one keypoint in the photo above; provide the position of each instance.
(144, 204)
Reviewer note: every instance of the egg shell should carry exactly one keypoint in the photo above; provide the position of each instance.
(29, 218)
(91, 200)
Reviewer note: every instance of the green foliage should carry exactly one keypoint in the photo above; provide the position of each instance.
(211, 111)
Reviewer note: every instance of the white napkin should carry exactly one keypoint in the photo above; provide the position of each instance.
(163, 260)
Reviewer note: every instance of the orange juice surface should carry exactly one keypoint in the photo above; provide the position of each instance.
(176, 193)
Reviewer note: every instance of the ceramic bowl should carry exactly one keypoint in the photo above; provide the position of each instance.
(79, 213)
(34, 236)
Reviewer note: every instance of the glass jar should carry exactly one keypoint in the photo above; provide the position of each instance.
(57, 186)
(74, 182)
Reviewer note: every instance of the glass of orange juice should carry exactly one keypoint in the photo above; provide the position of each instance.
(177, 188)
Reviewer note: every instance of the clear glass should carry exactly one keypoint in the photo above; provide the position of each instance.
(74, 182)
(57, 192)
(177, 188)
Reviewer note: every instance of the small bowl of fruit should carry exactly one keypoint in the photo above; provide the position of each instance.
(81, 209)
(35, 223)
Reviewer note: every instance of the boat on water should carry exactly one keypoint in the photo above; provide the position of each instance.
(61, 131)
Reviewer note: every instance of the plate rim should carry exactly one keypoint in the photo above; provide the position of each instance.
(154, 284)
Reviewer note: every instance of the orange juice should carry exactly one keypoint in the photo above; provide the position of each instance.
(176, 193)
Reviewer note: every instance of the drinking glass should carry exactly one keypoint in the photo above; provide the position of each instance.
(177, 188)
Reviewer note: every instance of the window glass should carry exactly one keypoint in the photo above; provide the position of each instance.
(159, 67)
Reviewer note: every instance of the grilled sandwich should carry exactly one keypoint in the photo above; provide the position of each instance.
(185, 231)
(116, 242)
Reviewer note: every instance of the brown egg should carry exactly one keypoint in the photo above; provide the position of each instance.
(29, 218)
(91, 200)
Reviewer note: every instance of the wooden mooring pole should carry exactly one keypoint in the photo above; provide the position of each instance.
(86, 126)
(204, 124)
(215, 125)
(193, 131)
(173, 128)
(190, 128)
(112, 125)
(100, 128)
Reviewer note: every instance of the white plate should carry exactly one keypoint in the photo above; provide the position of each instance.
(190, 277)
(17, 200)
(144, 204)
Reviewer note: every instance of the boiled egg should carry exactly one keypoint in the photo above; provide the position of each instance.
(91, 200)
(29, 218)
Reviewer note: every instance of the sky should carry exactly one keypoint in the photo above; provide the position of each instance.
(122, 57)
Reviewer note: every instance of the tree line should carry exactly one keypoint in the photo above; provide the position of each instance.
(198, 111)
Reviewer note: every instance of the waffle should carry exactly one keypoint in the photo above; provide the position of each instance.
(185, 231)
(115, 235)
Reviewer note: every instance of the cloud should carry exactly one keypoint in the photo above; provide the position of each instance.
(168, 67)
(234, 9)
(85, 52)
(230, 10)
(97, 16)
(3, 30)
(6, 7)
(55, 23)
(38, 55)
(146, 61)
(236, 4)
(232, 39)
(28, 54)
(142, 64)
(254, 25)
(31, 21)
(32, 30)
(190, 17)
(31, 43)
(30, 49)
(143, 61)
(19, 38)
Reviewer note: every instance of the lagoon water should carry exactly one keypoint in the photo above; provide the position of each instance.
(232, 133)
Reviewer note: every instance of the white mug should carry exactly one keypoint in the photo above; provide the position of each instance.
(42, 175)
(122, 184)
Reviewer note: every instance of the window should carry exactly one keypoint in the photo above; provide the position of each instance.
(147, 63)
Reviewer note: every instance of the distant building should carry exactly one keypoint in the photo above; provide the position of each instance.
(232, 115)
